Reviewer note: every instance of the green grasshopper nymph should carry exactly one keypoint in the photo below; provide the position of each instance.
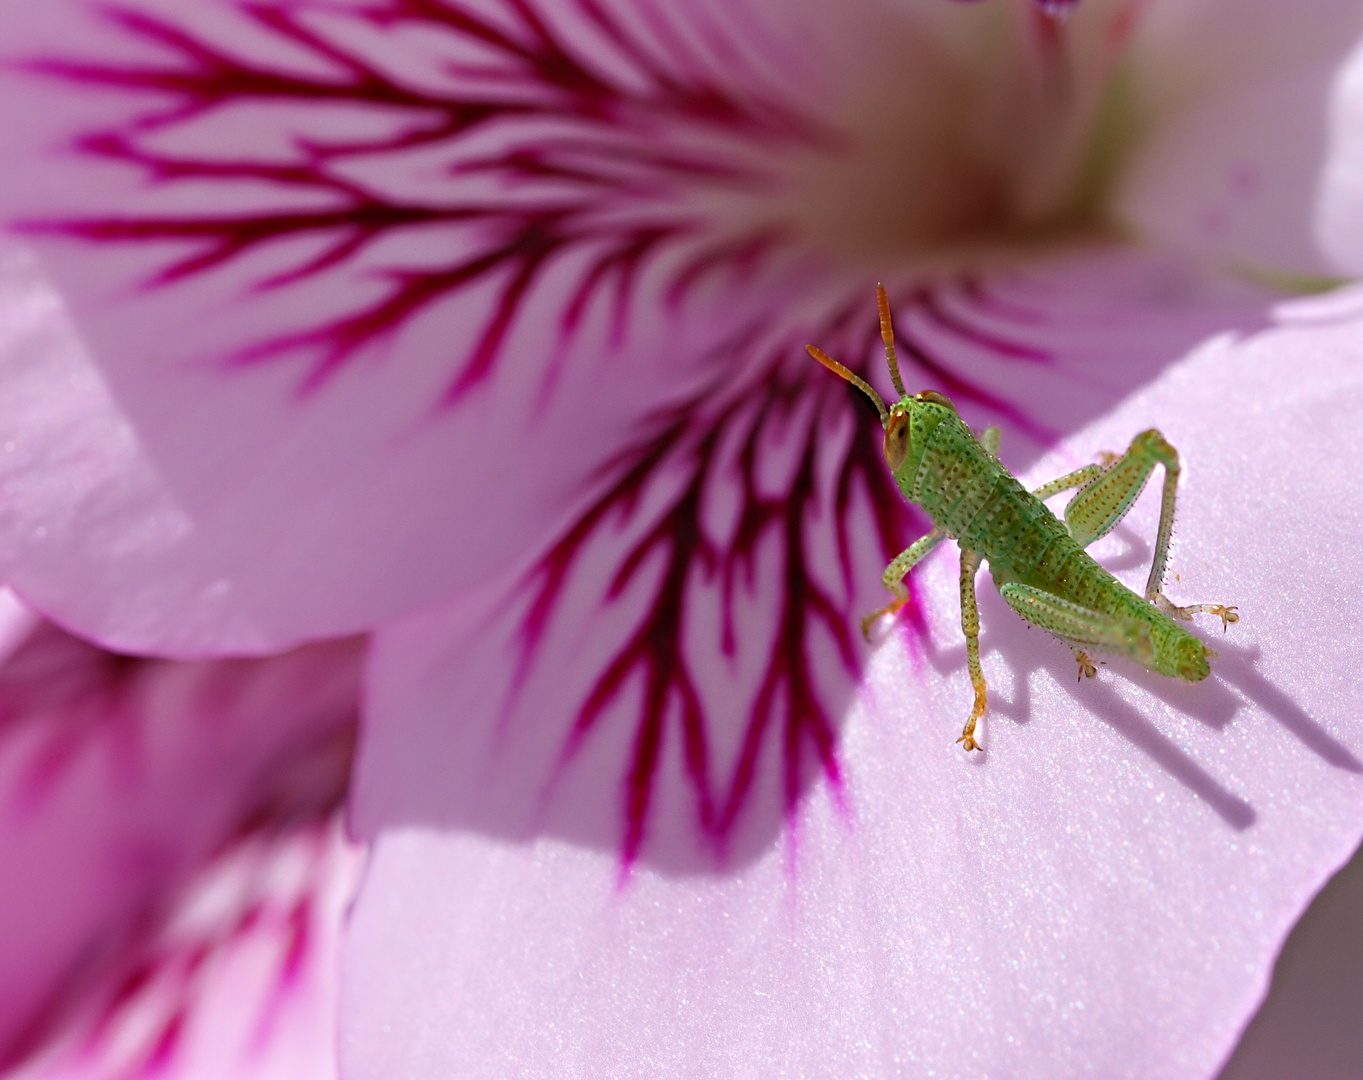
(1037, 561)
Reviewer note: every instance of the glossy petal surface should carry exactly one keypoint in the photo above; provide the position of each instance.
(1306, 1024)
(1101, 893)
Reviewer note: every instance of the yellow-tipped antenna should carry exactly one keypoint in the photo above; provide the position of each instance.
(887, 336)
(856, 380)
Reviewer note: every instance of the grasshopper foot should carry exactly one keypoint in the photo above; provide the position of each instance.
(1227, 614)
(967, 740)
(1086, 668)
(892, 608)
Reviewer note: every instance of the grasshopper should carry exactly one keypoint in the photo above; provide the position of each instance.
(1038, 562)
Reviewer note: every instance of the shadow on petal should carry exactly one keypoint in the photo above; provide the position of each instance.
(669, 679)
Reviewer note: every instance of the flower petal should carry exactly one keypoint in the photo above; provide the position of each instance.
(1306, 1024)
(1087, 897)
(237, 976)
(120, 777)
(1339, 215)
(345, 271)
(716, 566)
(1234, 136)
(303, 240)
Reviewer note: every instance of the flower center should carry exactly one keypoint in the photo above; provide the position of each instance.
(985, 128)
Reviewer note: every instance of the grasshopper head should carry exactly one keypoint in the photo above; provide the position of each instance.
(909, 413)
(907, 417)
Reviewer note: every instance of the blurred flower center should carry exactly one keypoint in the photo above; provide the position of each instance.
(1000, 129)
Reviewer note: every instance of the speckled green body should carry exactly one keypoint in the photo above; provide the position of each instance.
(974, 499)
(1038, 561)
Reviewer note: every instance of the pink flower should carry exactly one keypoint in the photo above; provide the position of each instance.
(479, 326)
(175, 873)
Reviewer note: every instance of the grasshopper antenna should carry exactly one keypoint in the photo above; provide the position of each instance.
(856, 380)
(887, 336)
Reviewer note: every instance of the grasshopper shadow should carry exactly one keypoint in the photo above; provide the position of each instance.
(514, 780)
(1235, 682)
(1027, 651)
(1236, 667)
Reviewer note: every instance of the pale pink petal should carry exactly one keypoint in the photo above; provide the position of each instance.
(120, 777)
(1339, 214)
(1226, 111)
(344, 271)
(236, 977)
(1101, 893)
(1308, 1023)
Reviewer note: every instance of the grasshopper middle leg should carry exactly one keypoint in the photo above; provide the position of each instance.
(970, 623)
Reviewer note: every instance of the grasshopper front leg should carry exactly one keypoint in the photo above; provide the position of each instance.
(895, 574)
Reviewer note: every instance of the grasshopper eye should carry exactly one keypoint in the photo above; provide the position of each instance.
(896, 440)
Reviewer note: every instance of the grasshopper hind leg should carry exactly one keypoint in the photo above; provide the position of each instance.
(1109, 490)
(1087, 668)
(1082, 628)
